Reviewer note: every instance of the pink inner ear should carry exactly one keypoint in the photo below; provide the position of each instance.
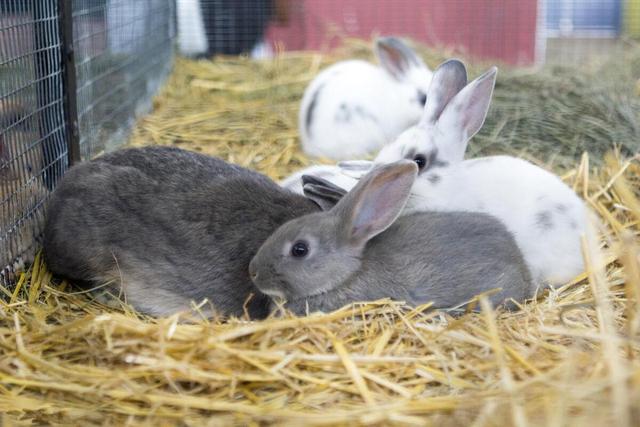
(395, 57)
(396, 61)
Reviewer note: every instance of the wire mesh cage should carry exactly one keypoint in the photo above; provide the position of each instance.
(32, 142)
(123, 50)
(73, 77)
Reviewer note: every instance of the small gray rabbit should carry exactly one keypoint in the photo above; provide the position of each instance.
(166, 226)
(360, 250)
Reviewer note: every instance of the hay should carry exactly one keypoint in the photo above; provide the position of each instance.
(570, 357)
(246, 111)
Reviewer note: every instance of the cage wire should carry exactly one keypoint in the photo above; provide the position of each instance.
(123, 50)
(32, 139)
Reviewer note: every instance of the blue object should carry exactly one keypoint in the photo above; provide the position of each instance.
(584, 16)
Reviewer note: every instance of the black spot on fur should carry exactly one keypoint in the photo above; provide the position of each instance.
(362, 112)
(561, 208)
(434, 178)
(434, 162)
(344, 113)
(409, 154)
(312, 107)
(544, 220)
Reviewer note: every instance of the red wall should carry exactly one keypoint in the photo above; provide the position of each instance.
(489, 29)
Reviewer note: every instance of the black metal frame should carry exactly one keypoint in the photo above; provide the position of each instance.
(70, 101)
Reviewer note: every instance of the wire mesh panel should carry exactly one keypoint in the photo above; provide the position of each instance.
(123, 50)
(32, 144)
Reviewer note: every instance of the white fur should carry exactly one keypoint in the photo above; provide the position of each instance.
(357, 107)
(524, 197)
(544, 215)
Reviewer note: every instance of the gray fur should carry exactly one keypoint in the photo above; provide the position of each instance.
(167, 225)
(434, 178)
(444, 257)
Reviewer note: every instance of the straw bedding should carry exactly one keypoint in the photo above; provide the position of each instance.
(570, 357)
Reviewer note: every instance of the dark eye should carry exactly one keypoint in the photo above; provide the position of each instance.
(420, 160)
(422, 97)
(299, 249)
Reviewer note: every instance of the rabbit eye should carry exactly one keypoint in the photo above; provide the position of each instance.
(422, 98)
(299, 249)
(420, 160)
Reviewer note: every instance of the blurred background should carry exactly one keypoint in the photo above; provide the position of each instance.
(77, 75)
(519, 32)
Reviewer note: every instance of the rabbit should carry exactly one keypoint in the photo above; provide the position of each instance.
(353, 107)
(21, 188)
(166, 226)
(360, 250)
(544, 215)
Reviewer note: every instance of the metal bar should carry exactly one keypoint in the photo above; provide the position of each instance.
(46, 79)
(69, 81)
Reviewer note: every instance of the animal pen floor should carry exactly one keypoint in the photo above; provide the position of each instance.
(569, 357)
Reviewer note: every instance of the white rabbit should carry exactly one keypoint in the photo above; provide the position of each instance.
(353, 108)
(545, 216)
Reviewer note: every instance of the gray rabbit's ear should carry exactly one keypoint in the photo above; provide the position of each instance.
(375, 202)
(396, 57)
(322, 192)
(448, 79)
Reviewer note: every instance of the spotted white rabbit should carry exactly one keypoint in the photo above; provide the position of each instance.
(545, 216)
(353, 108)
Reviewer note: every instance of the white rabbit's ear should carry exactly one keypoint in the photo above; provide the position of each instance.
(375, 202)
(448, 80)
(465, 113)
(396, 57)
(355, 168)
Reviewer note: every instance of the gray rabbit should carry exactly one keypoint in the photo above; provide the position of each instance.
(166, 226)
(360, 250)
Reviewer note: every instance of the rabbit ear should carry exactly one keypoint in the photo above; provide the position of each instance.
(322, 192)
(465, 113)
(396, 57)
(355, 165)
(355, 168)
(448, 79)
(375, 202)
